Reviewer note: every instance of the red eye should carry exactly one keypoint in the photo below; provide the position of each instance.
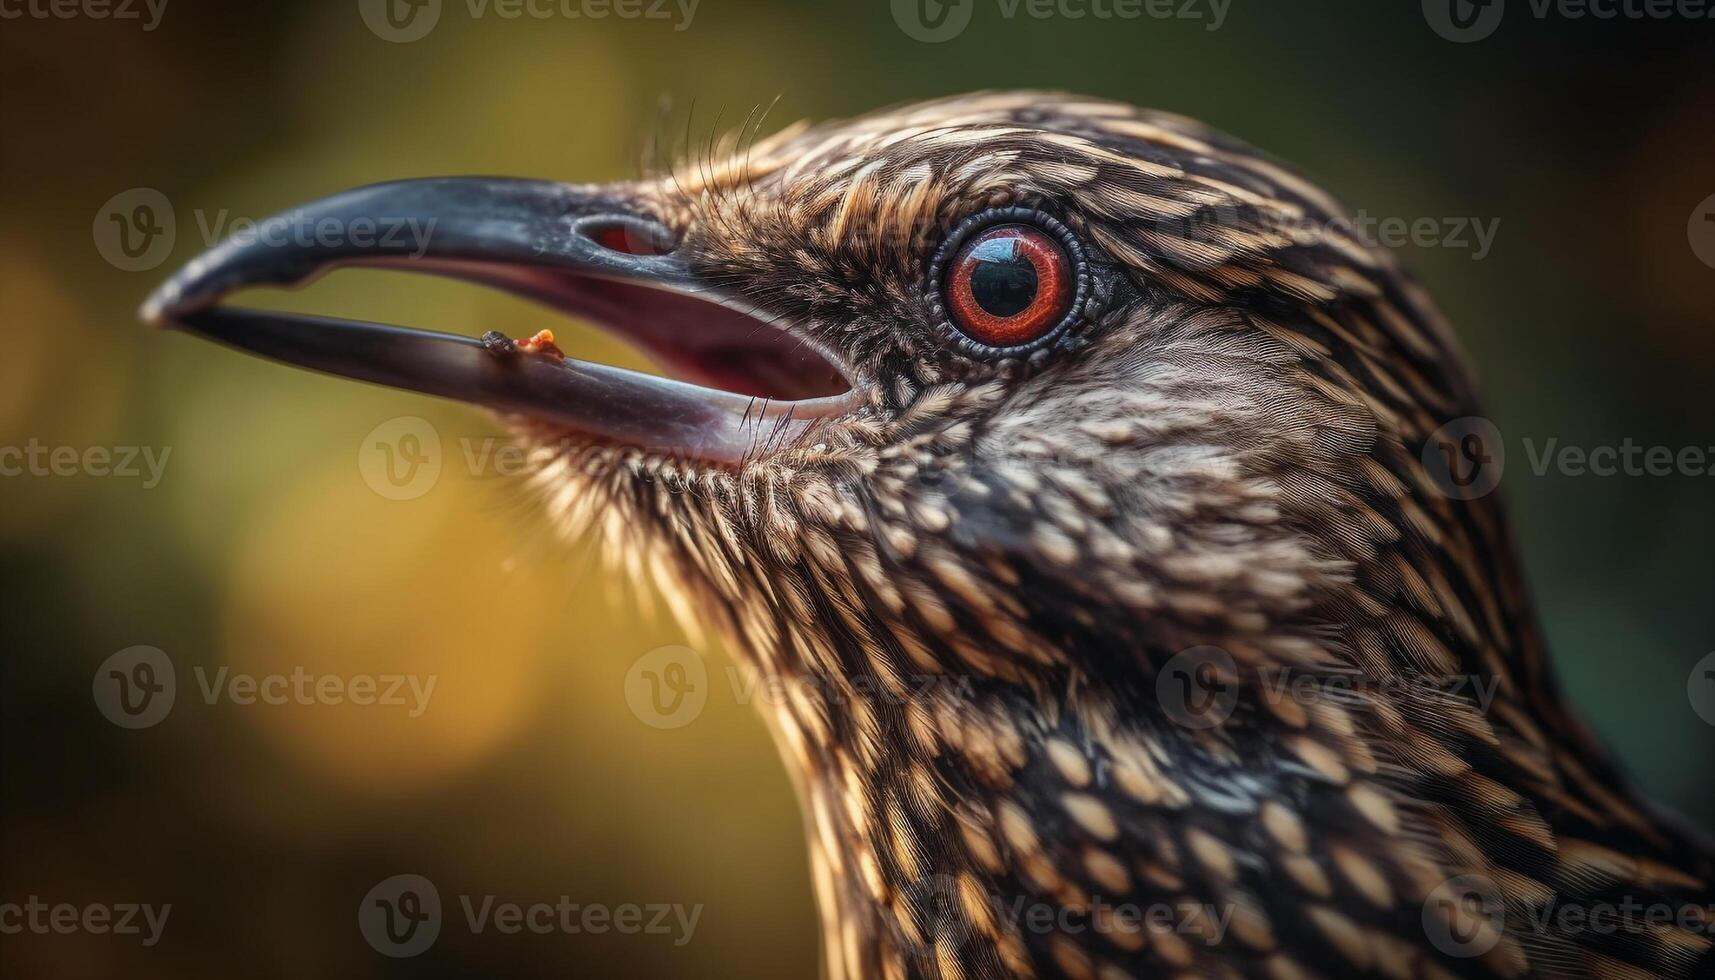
(1009, 285)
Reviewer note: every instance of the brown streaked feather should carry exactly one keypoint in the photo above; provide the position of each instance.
(1227, 456)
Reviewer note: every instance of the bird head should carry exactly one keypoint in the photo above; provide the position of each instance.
(983, 382)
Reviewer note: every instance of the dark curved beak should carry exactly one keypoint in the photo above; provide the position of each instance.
(582, 250)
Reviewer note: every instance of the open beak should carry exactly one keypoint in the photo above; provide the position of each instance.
(742, 383)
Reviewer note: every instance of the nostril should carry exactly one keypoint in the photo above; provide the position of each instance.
(628, 236)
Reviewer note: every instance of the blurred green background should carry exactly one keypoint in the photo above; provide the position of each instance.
(263, 547)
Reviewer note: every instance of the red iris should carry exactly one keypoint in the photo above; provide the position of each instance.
(1009, 285)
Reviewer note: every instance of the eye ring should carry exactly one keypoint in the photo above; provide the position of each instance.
(979, 332)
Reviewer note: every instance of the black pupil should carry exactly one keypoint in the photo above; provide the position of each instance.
(1003, 282)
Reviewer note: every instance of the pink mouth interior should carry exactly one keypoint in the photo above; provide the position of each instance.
(704, 342)
(696, 340)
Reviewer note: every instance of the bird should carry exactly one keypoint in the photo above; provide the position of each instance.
(1120, 522)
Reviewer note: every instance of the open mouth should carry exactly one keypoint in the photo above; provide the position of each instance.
(741, 384)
